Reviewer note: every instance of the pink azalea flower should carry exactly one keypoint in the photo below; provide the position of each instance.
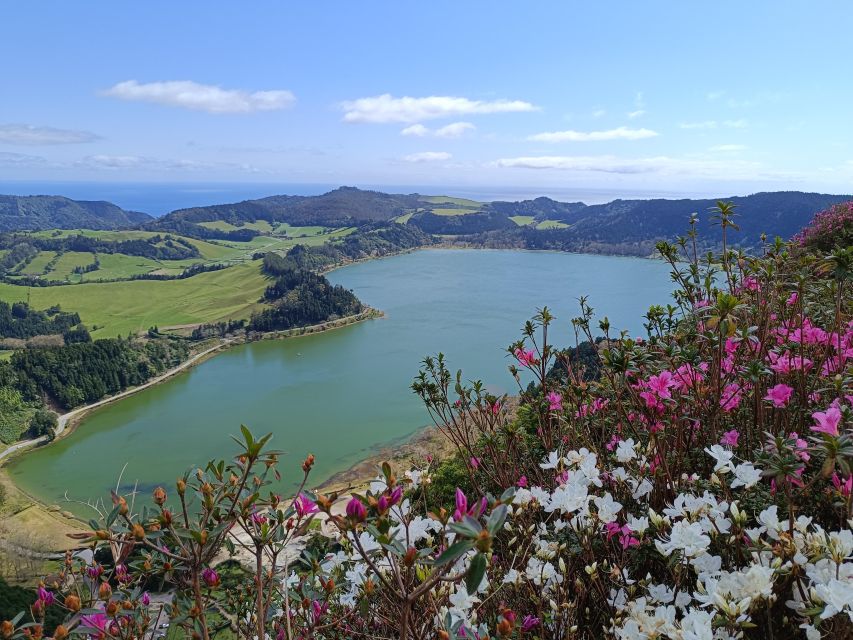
(779, 395)
(731, 397)
(495, 408)
(751, 284)
(529, 623)
(525, 358)
(555, 401)
(304, 505)
(522, 481)
(844, 487)
(792, 299)
(661, 384)
(730, 438)
(827, 421)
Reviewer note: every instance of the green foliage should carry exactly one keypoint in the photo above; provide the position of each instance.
(14, 414)
(14, 599)
(448, 474)
(55, 212)
(43, 423)
(86, 372)
(18, 320)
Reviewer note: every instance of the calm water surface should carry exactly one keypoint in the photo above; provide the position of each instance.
(342, 394)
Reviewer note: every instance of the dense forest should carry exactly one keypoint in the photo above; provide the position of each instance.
(34, 213)
(343, 207)
(84, 372)
(300, 297)
(370, 241)
(158, 247)
(18, 320)
(192, 230)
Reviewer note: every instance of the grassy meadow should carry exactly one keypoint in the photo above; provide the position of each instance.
(133, 306)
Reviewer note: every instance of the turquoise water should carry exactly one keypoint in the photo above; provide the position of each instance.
(342, 394)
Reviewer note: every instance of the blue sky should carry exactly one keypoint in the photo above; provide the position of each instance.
(724, 97)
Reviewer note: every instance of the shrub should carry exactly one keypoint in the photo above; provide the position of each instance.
(830, 228)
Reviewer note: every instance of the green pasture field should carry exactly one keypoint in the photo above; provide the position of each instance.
(118, 308)
(551, 224)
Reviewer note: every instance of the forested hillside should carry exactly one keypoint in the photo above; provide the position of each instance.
(34, 213)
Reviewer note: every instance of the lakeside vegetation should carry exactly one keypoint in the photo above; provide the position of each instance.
(694, 482)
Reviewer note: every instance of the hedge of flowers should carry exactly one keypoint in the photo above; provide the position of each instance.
(698, 485)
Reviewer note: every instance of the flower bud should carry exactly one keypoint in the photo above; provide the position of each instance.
(6, 629)
(356, 511)
(138, 531)
(210, 577)
(111, 609)
(309, 462)
(105, 591)
(60, 633)
(72, 603)
(484, 541)
(504, 628)
(159, 496)
(411, 555)
(182, 486)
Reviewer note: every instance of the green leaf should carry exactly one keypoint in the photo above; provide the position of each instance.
(475, 573)
(496, 519)
(454, 552)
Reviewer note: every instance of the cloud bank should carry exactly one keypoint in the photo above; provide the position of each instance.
(27, 134)
(386, 108)
(663, 165)
(453, 130)
(201, 97)
(620, 133)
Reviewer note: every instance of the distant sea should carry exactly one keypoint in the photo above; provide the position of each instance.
(160, 198)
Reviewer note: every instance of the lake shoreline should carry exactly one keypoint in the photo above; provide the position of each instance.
(362, 467)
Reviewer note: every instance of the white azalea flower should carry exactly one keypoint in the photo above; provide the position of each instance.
(746, 476)
(721, 455)
(625, 450)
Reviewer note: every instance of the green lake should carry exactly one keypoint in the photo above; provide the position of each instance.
(342, 394)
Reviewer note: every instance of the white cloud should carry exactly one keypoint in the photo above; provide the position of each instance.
(453, 130)
(418, 130)
(427, 156)
(736, 124)
(145, 163)
(27, 134)
(201, 97)
(636, 114)
(113, 162)
(715, 95)
(620, 133)
(598, 113)
(662, 165)
(728, 148)
(387, 108)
